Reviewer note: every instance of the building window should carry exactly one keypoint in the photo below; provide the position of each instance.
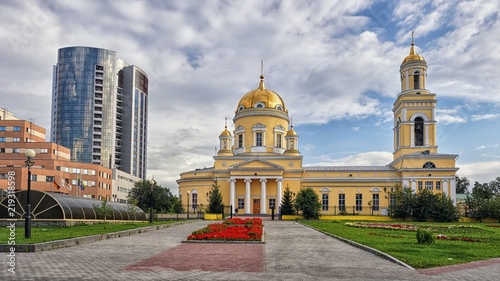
(194, 200)
(240, 140)
(241, 204)
(324, 205)
(375, 202)
(2, 139)
(278, 140)
(17, 129)
(342, 202)
(416, 80)
(15, 150)
(16, 139)
(49, 179)
(392, 199)
(43, 150)
(438, 185)
(429, 185)
(2, 150)
(359, 202)
(3, 128)
(419, 131)
(429, 165)
(33, 177)
(272, 203)
(419, 185)
(258, 139)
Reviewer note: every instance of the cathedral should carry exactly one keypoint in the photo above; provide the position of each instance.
(260, 158)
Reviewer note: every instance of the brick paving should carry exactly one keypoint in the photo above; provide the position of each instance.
(292, 252)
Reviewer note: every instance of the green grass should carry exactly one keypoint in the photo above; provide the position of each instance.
(402, 244)
(52, 233)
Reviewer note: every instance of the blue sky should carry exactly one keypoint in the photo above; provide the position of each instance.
(335, 64)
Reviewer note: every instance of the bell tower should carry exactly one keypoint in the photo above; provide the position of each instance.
(414, 109)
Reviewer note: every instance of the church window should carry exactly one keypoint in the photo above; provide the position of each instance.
(278, 140)
(438, 185)
(194, 200)
(416, 80)
(259, 105)
(375, 201)
(429, 165)
(240, 140)
(324, 205)
(419, 185)
(342, 202)
(429, 185)
(241, 203)
(241, 108)
(359, 202)
(419, 131)
(279, 107)
(258, 139)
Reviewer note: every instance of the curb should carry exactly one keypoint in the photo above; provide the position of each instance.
(56, 244)
(364, 247)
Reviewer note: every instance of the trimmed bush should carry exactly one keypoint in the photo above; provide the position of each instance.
(425, 237)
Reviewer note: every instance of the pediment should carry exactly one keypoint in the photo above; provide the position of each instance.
(259, 126)
(256, 164)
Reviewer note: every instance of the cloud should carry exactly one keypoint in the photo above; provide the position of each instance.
(371, 158)
(483, 171)
(477, 117)
(449, 119)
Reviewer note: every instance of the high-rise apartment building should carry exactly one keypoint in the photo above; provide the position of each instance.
(100, 109)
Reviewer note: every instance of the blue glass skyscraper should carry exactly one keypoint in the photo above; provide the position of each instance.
(99, 109)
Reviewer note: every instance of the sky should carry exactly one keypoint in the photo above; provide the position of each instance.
(335, 64)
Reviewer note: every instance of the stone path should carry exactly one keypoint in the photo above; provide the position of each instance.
(292, 252)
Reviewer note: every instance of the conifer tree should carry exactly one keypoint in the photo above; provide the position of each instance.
(215, 200)
(287, 202)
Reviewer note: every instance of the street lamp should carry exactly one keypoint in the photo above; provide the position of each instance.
(188, 205)
(30, 154)
(152, 184)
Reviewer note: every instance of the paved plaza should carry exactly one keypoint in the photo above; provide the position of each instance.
(292, 252)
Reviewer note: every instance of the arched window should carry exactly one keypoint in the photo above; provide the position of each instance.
(429, 165)
(241, 108)
(419, 131)
(259, 105)
(279, 107)
(416, 80)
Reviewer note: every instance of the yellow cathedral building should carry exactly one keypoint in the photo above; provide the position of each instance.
(260, 158)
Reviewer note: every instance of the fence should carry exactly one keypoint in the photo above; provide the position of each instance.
(354, 210)
(195, 212)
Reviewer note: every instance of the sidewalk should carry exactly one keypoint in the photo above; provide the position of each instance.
(292, 252)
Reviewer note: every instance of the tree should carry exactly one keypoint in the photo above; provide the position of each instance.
(215, 200)
(444, 210)
(149, 194)
(423, 205)
(104, 210)
(462, 185)
(307, 201)
(287, 202)
(494, 185)
(403, 203)
(132, 207)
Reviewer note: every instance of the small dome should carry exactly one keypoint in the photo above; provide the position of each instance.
(291, 133)
(261, 97)
(413, 55)
(225, 133)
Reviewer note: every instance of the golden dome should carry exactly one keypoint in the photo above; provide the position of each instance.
(225, 133)
(291, 132)
(413, 55)
(261, 97)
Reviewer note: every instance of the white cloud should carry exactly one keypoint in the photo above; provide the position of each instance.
(477, 117)
(483, 171)
(371, 158)
(481, 147)
(449, 119)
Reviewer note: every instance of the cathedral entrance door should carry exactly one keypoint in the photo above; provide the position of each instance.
(256, 206)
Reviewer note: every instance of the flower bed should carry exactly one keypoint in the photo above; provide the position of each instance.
(235, 229)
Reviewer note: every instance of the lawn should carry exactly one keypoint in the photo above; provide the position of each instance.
(44, 234)
(459, 243)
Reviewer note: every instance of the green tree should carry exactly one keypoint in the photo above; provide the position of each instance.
(132, 207)
(149, 194)
(287, 202)
(494, 185)
(404, 200)
(443, 209)
(104, 209)
(307, 201)
(479, 202)
(423, 205)
(215, 200)
(462, 185)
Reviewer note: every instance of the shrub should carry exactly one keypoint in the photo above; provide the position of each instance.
(425, 237)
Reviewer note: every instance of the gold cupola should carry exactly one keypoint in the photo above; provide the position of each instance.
(413, 56)
(261, 98)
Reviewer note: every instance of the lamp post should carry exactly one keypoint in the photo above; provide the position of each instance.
(152, 184)
(188, 205)
(114, 197)
(30, 154)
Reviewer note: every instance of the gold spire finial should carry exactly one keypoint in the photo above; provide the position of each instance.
(225, 123)
(261, 84)
(412, 48)
(412, 40)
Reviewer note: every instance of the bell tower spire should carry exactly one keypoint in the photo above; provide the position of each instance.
(414, 109)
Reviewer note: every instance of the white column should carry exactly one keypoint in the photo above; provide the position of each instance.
(231, 194)
(407, 81)
(278, 195)
(412, 134)
(247, 196)
(426, 126)
(263, 208)
(453, 191)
